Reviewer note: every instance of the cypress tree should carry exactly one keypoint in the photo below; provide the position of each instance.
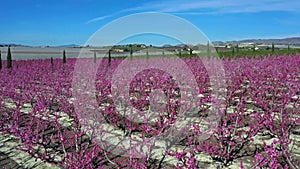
(273, 48)
(0, 61)
(109, 56)
(131, 51)
(51, 61)
(191, 51)
(95, 56)
(9, 59)
(147, 53)
(208, 50)
(64, 57)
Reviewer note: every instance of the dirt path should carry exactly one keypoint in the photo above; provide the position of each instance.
(11, 157)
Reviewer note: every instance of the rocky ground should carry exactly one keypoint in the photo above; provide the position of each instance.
(12, 157)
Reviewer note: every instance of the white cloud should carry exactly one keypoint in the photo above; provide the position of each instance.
(218, 6)
(99, 18)
(210, 7)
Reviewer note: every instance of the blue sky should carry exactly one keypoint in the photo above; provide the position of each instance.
(59, 22)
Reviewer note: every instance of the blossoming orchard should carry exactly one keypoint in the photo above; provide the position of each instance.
(257, 124)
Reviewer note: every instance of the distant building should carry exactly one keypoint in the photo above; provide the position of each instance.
(141, 45)
(119, 50)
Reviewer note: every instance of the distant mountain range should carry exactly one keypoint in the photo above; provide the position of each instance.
(68, 46)
(20, 45)
(11, 44)
(285, 41)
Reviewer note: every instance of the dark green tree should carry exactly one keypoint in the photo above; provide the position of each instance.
(95, 56)
(109, 56)
(131, 51)
(51, 61)
(147, 53)
(0, 61)
(9, 59)
(273, 48)
(64, 57)
(191, 51)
